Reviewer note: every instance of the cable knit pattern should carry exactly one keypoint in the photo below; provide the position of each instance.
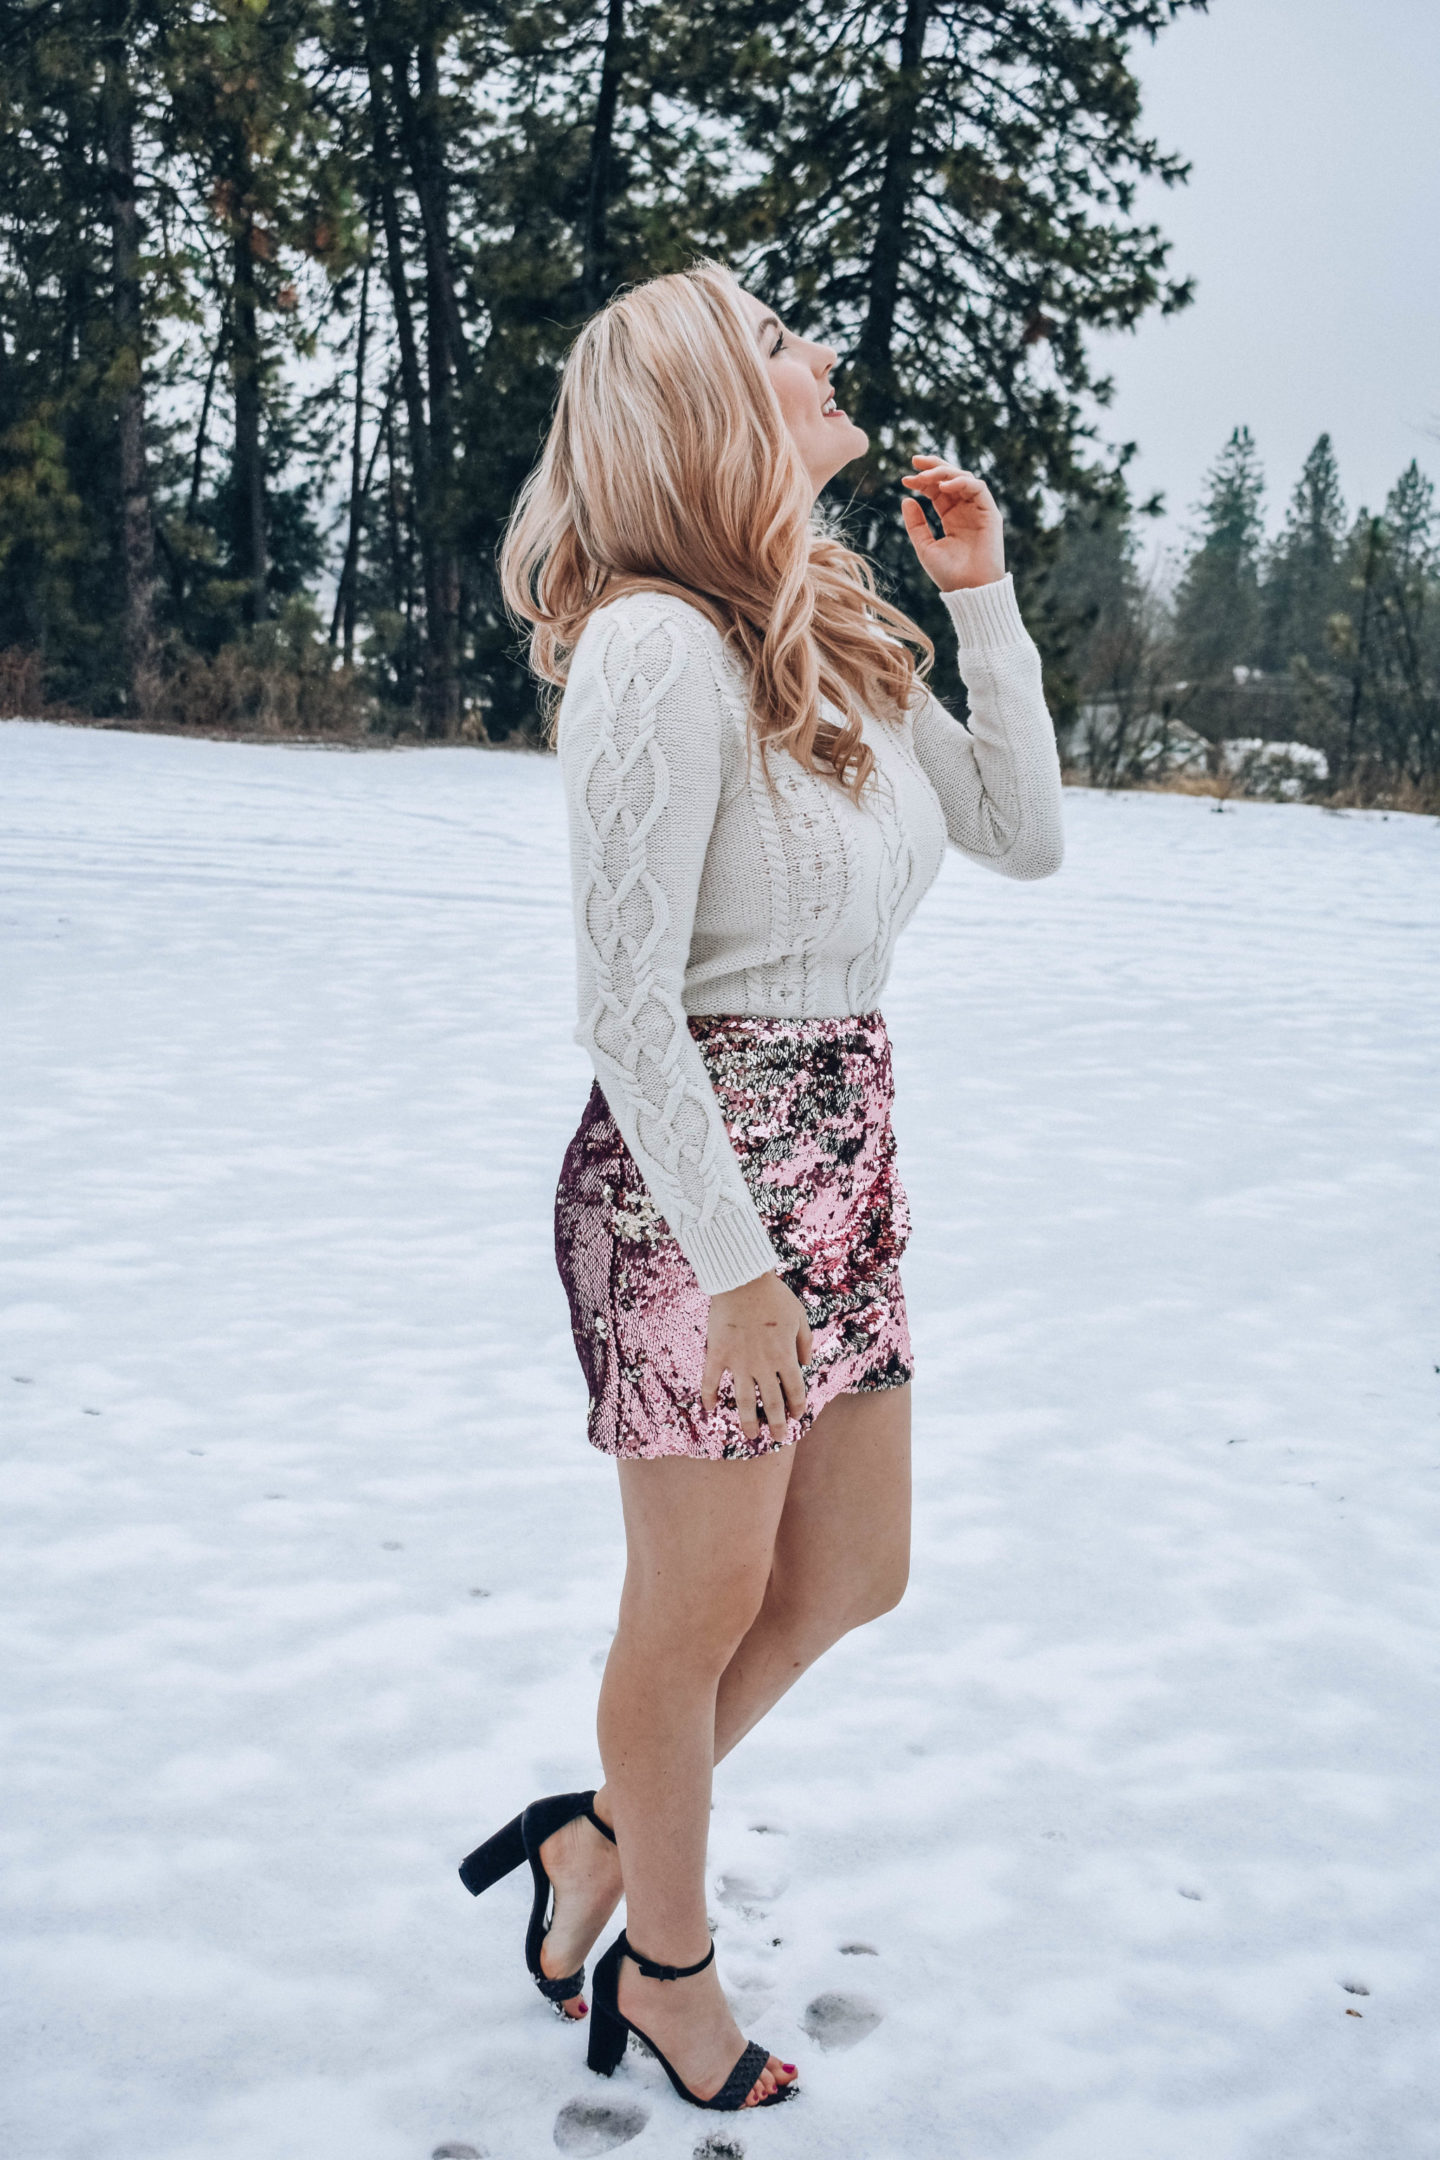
(699, 890)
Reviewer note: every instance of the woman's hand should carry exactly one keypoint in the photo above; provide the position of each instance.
(760, 1336)
(971, 549)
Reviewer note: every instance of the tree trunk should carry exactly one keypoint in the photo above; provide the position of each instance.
(202, 429)
(246, 359)
(435, 691)
(345, 592)
(400, 531)
(1359, 680)
(137, 526)
(443, 338)
(424, 146)
(595, 265)
(873, 349)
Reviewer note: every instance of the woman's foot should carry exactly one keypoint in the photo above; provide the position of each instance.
(584, 1871)
(690, 2022)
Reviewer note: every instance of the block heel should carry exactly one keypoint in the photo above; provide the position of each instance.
(609, 2034)
(521, 1840)
(497, 1857)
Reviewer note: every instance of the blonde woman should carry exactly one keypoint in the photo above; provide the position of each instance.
(760, 790)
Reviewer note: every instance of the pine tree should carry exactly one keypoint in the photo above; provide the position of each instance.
(248, 150)
(1301, 581)
(1405, 696)
(1374, 703)
(947, 193)
(118, 112)
(1091, 591)
(76, 579)
(1109, 633)
(420, 201)
(1217, 604)
(1410, 522)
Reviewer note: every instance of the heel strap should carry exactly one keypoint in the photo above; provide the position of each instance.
(591, 1816)
(651, 1971)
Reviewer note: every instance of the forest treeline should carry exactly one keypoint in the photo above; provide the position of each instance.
(285, 285)
(1304, 664)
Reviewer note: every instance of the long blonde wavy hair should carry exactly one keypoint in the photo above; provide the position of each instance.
(669, 467)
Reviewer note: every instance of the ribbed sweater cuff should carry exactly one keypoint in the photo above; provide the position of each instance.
(987, 615)
(731, 1249)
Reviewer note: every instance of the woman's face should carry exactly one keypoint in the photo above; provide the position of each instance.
(800, 372)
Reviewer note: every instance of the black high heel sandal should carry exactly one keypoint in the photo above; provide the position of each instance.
(521, 1840)
(610, 2029)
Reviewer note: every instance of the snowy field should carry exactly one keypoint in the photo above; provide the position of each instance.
(1122, 1835)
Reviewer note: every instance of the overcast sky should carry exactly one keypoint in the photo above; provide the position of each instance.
(1311, 223)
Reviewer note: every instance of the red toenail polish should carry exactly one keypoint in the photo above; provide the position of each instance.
(789, 2067)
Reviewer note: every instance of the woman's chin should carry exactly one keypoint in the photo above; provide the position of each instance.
(857, 442)
(848, 443)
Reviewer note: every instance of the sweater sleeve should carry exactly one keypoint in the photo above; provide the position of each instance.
(999, 779)
(640, 740)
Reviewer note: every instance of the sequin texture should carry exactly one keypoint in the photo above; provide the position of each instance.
(807, 1106)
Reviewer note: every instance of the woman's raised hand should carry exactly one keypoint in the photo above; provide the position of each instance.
(971, 547)
(760, 1336)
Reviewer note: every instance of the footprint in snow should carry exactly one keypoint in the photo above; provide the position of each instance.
(597, 2126)
(1354, 1987)
(858, 1949)
(749, 1890)
(841, 2021)
(455, 2150)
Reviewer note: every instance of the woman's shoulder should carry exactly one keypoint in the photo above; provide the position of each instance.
(662, 650)
(650, 615)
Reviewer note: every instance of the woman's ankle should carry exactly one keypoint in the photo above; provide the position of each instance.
(678, 1950)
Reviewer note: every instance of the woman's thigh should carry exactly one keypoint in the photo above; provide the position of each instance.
(844, 1532)
(700, 1538)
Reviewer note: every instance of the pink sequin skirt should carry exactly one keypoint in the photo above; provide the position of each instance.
(807, 1106)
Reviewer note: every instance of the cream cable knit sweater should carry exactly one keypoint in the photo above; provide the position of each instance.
(698, 891)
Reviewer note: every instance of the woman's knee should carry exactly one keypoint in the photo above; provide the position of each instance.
(877, 1592)
(700, 1631)
(817, 1611)
(884, 1590)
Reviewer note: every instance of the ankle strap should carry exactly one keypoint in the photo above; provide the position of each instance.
(651, 1971)
(591, 1816)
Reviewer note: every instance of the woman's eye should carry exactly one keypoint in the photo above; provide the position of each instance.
(779, 344)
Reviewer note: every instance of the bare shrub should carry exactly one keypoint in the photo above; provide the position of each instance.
(22, 685)
(265, 685)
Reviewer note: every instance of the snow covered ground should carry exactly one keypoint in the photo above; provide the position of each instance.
(1126, 1822)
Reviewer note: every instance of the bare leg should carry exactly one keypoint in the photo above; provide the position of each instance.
(842, 1553)
(838, 1558)
(699, 1538)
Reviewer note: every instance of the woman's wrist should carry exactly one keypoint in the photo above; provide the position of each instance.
(978, 584)
(744, 1289)
(986, 615)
